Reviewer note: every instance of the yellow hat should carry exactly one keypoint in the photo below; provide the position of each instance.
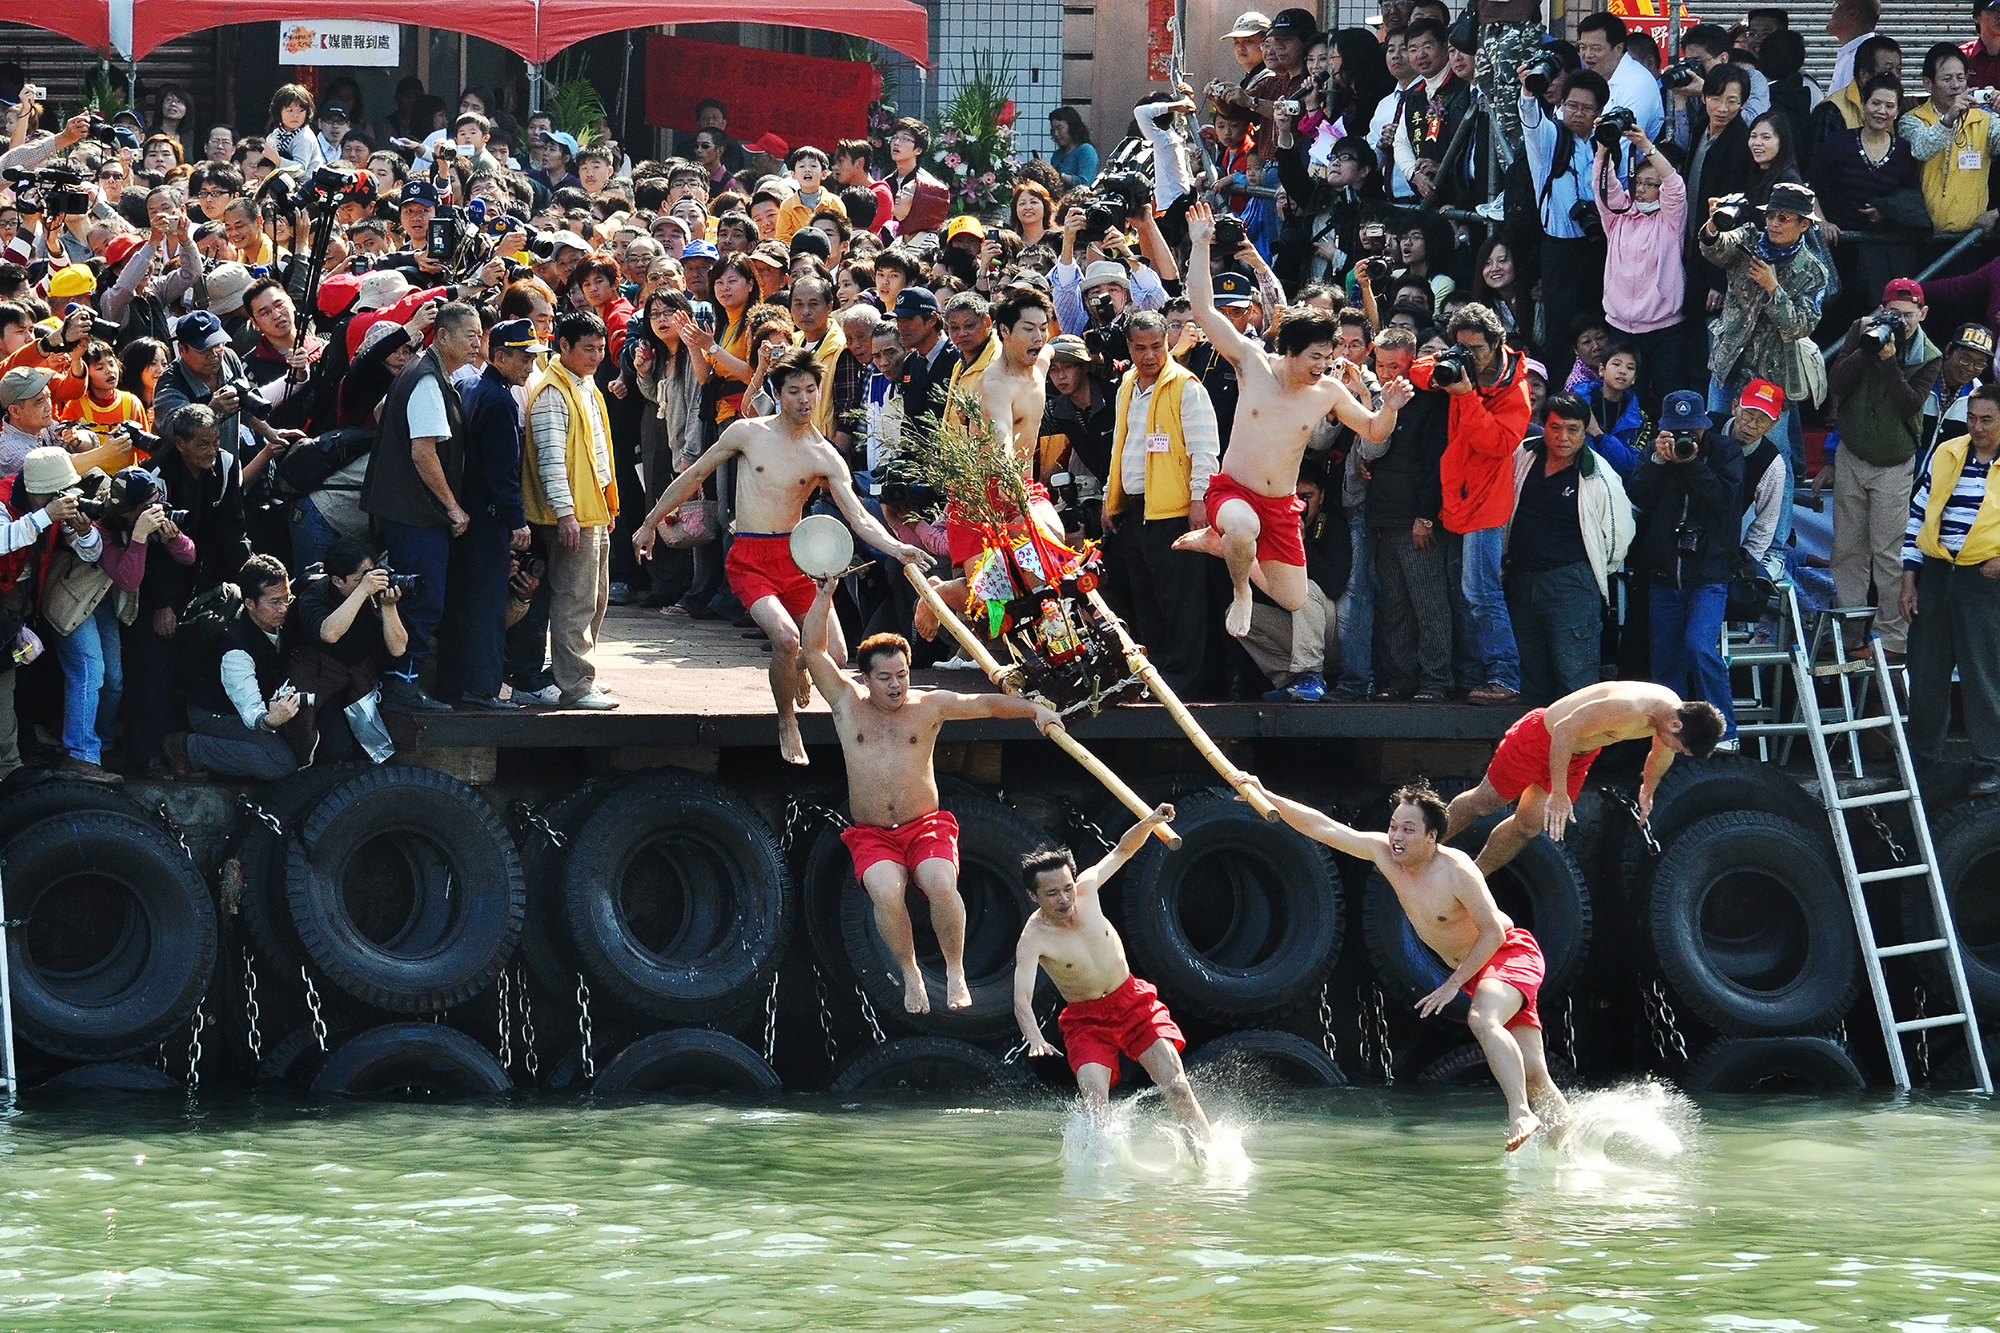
(962, 225)
(70, 282)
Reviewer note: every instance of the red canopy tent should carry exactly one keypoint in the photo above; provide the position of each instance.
(897, 24)
(85, 21)
(508, 23)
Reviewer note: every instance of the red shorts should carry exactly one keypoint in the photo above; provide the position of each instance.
(1129, 1019)
(910, 843)
(1518, 962)
(1278, 534)
(760, 565)
(1522, 761)
(969, 539)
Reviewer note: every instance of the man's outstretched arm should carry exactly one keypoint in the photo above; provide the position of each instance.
(830, 679)
(1091, 880)
(1027, 960)
(1323, 827)
(957, 707)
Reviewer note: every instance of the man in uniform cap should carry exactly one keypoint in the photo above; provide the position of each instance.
(1967, 362)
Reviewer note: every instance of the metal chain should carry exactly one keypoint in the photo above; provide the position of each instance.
(825, 1016)
(1382, 1054)
(771, 1020)
(583, 1030)
(174, 831)
(260, 814)
(802, 815)
(195, 1026)
(529, 1060)
(312, 1005)
(506, 998)
(1667, 1038)
(1840, 1034)
(868, 1012)
(252, 1011)
(1569, 1034)
(1631, 807)
(1364, 1045)
(1888, 839)
(530, 818)
(1923, 999)
(1327, 1041)
(1083, 821)
(1021, 1047)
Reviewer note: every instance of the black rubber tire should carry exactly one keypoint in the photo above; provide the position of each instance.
(1954, 1072)
(117, 1076)
(1243, 922)
(260, 855)
(1751, 926)
(121, 935)
(30, 802)
(427, 1058)
(1694, 789)
(1541, 889)
(405, 890)
(1279, 1057)
(677, 898)
(297, 1056)
(1465, 1066)
(826, 881)
(1813, 1065)
(689, 1062)
(545, 946)
(1966, 839)
(929, 1064)
(992, 839)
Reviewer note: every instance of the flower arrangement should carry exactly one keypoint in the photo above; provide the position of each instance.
(972, 139)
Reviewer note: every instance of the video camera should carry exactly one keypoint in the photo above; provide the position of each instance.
(1453, 366)
(57, 191)
(912, 497)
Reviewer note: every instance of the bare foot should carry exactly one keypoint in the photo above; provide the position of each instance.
(925, 621)
(1524, 1129)
(1237, 622)
(957, 995)
(805, 695)
(1196, 1145)
(1205, 540)
(790, 744)
(916, 1000)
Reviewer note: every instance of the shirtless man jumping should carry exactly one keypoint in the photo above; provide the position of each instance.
(782, 460)
(1253, 507)
(1494, 961)
(1544, 756)
(1106, 1010)
(887, 734)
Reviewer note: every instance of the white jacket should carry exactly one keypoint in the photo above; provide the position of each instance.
(1602, 510)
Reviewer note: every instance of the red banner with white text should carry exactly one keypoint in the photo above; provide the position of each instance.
(801, 99)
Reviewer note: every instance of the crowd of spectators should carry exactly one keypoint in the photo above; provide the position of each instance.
(321, 417)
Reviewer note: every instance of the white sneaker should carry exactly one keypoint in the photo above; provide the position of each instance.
(1730, 746)
(596, 700)
(959, 663)
(550, 697)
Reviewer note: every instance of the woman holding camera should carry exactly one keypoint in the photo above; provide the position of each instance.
(1644, 282)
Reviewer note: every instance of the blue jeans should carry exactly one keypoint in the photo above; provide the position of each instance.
(93, 680)
(1355, 612)
(1687, 645)
(311, 535)
(1486, 646)
(425, 551)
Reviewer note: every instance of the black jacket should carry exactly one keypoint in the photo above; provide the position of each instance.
(392, 491)
(925, 385)
(1699, 505)
(1405, 484)
(1329, 548)
(205, 690)
(492, 433)
(215, 524)
(1088, 433)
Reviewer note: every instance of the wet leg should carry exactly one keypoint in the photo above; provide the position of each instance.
(885, 882)
(1163, 1062)
(938, 879)
(1543, 1094)
(1493, 1003)
(1093, 1085)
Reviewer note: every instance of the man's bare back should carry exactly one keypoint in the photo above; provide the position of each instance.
(1613, 711)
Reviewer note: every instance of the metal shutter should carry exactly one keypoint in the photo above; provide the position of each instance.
(63, 67)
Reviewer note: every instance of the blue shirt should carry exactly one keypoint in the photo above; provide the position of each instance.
(1078, 163)
(1571, 187)
(490, 421)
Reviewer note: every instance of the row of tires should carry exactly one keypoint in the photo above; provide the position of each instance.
(399, 893)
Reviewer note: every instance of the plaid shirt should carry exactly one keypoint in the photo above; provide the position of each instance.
(850, 393)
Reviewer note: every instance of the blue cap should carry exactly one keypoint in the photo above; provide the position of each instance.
(568, 141)
(518, 334)
(699, 250)
(1684, 409)
(1234, 289)
(912, 302)
(200, 331)
(419, 192)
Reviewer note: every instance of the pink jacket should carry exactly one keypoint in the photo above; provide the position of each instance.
(1644, 279)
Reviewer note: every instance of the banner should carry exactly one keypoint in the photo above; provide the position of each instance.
(1159, 39)
(1651, 16)
(801, 99)
(340, 42)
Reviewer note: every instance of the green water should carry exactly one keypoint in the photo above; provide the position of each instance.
(1364, 1210)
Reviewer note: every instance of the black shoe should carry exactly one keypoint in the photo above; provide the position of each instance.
(1986, 786)
(405, 696)
(491, 702)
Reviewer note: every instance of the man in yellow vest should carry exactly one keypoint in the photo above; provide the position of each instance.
(1164, 449)
(812, 311)
(569, 491)
(968, 322)
(1955, 140)
(1951, 593)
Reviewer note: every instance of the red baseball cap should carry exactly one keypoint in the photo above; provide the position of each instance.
(769, 143)
(1767, 397)
(120, 248)
(1903, 289)
(337, 292)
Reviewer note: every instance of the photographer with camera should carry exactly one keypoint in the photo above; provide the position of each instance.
(42, 518)
(85, 603)
(345, 621)
(1644, 282)
(1705, 48)
(1601, 44)
(1955, 138)
(1879, 379)
(1688, 493)
(1561, 160)
(240, 696)
(29, 410)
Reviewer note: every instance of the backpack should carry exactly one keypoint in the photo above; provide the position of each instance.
(307, 464)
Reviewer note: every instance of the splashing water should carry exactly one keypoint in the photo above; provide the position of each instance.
(1137, 1139)
(1643, 1123)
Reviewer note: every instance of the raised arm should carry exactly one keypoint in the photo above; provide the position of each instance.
(1091, 880)
(1201, 290)
(957, 707)
(1324, 828)
(832, 681)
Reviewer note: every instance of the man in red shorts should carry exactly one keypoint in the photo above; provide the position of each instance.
(1253, 508)
(1106, 1010)
(887, 733)
(1492, 960)
(780, 461)
(1544, 756)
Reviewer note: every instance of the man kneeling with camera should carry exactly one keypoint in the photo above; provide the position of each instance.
(239, 697)
(341, 629)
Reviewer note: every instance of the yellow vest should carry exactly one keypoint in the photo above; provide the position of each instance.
(965, 379)
(827, 354)
(592, 508)
(1169, 476)
(1983, 542)
(1955, 195)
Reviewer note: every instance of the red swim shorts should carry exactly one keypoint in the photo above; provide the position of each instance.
(1522, 761)
(1518, 962)
(969, 539)
(1278, 534)
(1129, 1019)
(760, 565)
(910, 843)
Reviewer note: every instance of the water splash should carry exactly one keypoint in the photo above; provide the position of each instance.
(1137, 1140)
(1644, 1124)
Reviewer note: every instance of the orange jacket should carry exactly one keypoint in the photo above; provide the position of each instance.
(1486, 427)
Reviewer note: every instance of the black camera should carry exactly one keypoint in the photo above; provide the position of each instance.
(1611, 127)
(1731, 212)
(102, 131)
(1377, 269)
(912, 497)
(90, 509)
(1585, 215)
(249, 398)
(1100, 220)
(1229, 233)
(1542, 71)
(139, 438)
(335, 184)
(1453, 365)
(406, 585)
(442, 239)
(1686, 447)
(1880, 328)
(54, 190)
(1681, 73)
(1128, 193)
(1687, 537)
(100, 327)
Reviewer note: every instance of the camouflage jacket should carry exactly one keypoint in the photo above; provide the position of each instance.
(1757, 330)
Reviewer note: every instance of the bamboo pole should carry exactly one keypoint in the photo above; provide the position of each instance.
(1074, 748)
(1135, 657)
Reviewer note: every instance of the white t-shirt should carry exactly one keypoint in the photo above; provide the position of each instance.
(426, 409)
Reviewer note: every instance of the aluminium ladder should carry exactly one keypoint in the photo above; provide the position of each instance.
(10, 1081)
(1829, 641)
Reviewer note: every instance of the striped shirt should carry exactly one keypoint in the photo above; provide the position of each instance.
(1959, 511)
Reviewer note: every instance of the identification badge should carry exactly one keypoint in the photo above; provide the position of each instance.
(1156, 444)
(1970, 159)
